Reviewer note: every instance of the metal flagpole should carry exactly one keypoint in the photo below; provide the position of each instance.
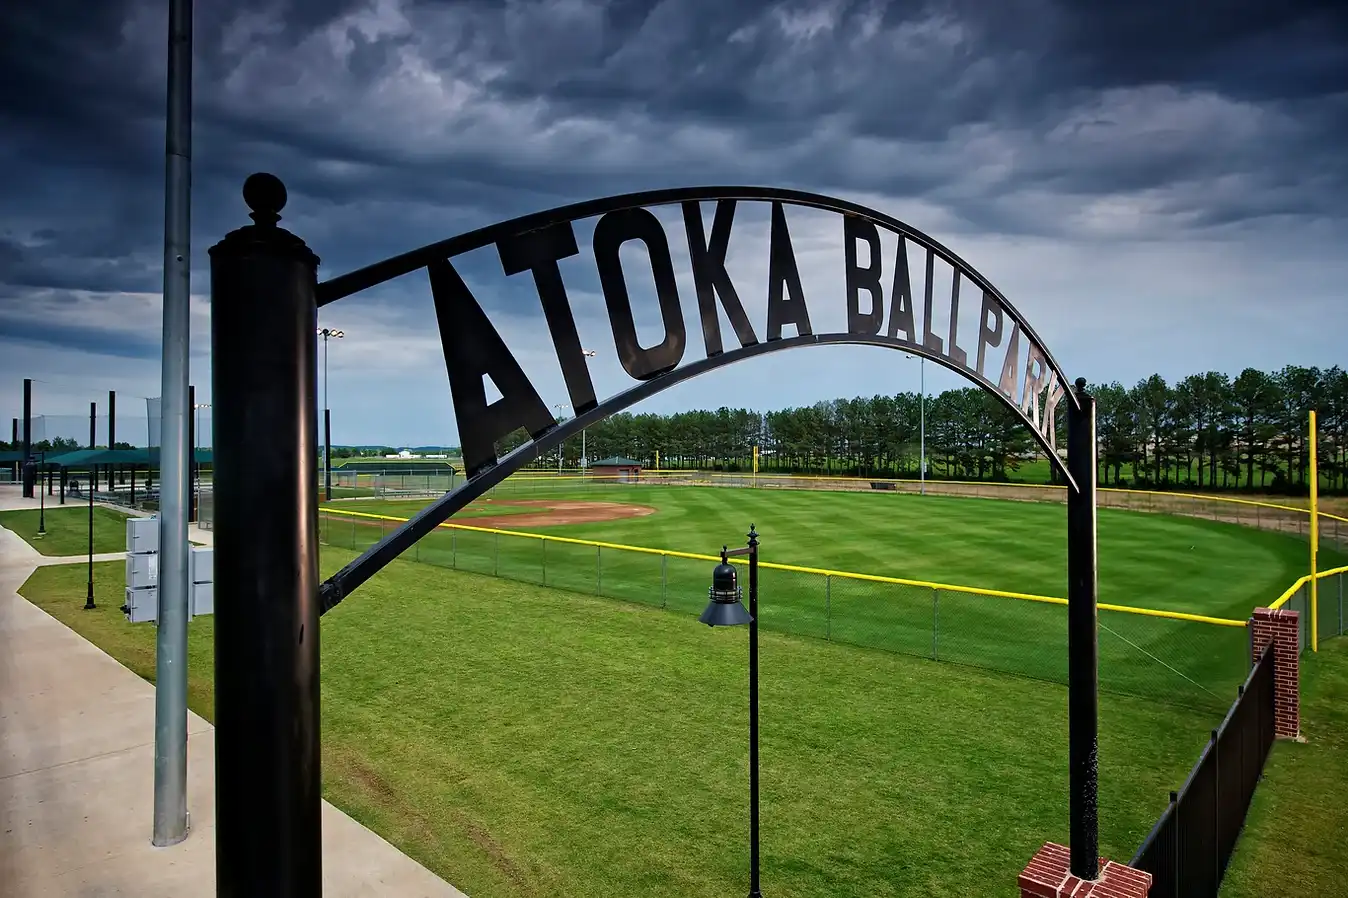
(170, 711)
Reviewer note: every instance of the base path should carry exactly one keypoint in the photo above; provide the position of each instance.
(555, 514)
(77, 773)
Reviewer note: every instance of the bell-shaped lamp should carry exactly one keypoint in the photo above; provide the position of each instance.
(725, 608)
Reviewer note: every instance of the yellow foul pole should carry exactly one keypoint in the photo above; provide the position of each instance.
(755, 466)
(1315, 541)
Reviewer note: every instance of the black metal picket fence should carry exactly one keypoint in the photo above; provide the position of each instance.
(1188, 850)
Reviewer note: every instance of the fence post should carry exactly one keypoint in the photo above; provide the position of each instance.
(353, 535)
(1340, 579)
(598, 571)
(454, 549)
(545, 562)
(1175, 830)
(664, 579)
(935, 623)
(496, 554)
(1216, 809)
(828, 606)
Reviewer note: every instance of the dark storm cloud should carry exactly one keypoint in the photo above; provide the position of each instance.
(1012, 116)
(75, 336)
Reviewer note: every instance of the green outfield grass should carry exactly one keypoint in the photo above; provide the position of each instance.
(1151, 561)
(522, 741)
(68, 529)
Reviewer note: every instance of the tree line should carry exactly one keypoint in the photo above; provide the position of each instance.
(1206, 431)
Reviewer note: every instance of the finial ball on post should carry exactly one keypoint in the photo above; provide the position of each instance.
(266, 197)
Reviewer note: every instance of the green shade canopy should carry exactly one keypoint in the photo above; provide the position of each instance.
(83, 458)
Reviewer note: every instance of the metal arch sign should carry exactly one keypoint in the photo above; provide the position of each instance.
(881, 308)
(264, 296)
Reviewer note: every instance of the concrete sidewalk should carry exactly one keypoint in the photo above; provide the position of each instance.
(77, 773)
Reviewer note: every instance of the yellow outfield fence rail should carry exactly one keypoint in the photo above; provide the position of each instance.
(1186, 659)
(1327, 614)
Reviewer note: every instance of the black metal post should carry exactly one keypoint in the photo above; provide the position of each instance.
(89, 487)
(1082, 639)
(27, 488)
(65, 472)
(112, 420)
(14, 444)
(42, 505)
(754, 891)
(264, 397)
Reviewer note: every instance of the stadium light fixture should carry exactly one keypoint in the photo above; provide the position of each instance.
(725, 610)
(327, 333)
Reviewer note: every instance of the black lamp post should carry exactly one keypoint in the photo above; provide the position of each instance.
(725, 610)
(89, 487)
(42, 502)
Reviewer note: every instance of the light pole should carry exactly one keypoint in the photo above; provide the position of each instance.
(325, 333)
(922, 458)
(724, 610)
(560, 446)
(584, 458)
(196, 469)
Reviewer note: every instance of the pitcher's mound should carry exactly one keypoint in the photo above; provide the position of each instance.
(552, 514)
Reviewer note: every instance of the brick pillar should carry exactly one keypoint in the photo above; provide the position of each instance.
(1049, 876)
(1283, 629)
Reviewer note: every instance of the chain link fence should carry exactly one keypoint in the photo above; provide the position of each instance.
(1193, 663)
(1329, 605)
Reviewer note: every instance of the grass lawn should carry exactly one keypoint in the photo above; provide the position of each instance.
(522, 741)
(1154, 561)
(68, 529)
(1294, 842)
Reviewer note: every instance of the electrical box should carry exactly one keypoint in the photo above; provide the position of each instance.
(142, 571)
(142, 574)
(202, 564)
(142, 605)
(142, 535)
(203, 598)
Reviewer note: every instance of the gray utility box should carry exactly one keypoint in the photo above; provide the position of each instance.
(142, 535)
(142, 574)
(142, 605)
(142, 571)
(201, 564)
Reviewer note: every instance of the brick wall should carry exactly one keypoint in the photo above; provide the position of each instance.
(1049, 876)
(1282, 628)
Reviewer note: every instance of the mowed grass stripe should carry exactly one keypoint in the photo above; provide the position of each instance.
(528, 741)
(1198, 664)
(1145, 560)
